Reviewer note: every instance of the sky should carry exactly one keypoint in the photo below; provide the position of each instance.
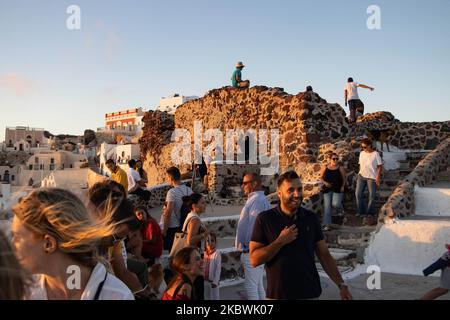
(131, 53)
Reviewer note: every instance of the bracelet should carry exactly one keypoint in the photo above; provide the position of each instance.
(134, 293)
(342, 284)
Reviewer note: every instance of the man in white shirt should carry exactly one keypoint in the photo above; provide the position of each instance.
(170, 219)
(351, 96)
(256, 203)
(370, 167)
(135, 182)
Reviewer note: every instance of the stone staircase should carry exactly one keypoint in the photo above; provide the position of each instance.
(348, 231)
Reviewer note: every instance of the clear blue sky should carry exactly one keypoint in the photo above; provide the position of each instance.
(131, 53)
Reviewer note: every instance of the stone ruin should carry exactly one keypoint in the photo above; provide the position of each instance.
(309, 127)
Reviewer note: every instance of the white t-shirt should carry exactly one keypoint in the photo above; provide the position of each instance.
(352, 90)
(133, 178)
(113, 288)
(176, 195)
(368, 164)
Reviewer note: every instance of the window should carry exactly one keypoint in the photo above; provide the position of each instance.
(36, 160)
(12, 177)
(52, 160)
(30, 167)
(6, 176)
(41, 167)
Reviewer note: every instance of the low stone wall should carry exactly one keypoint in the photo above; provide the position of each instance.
(222, 227)
(94, 177)
(224, 175)
(401, 201)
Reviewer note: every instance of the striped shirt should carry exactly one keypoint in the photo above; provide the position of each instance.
(176, 195)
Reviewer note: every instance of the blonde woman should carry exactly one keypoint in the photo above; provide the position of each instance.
(14, 280)
(56, 239)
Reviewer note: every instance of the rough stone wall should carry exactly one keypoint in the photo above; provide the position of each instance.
(408, 135)
(416, 135)
(222, 176)
(304, 122)
(309, 128)
(401, 201)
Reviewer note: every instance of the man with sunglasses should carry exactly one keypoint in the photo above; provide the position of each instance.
(369, 176)
(256, 203)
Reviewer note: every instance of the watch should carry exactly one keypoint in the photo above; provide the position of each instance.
(342, 284)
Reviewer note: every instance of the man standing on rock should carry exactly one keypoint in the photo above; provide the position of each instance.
(256, 203)
(286, 238)
(351, 96)
(236, 78)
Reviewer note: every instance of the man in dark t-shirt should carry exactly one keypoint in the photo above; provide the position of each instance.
(285, 238)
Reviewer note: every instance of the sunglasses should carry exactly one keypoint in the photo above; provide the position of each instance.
(335, 159)
(363, 147)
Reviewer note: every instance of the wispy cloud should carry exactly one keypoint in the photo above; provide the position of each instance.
(16, 84)
(104, 39)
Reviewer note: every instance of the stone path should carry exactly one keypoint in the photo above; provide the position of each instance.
(393, 287)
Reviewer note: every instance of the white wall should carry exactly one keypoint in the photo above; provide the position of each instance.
(408, 246)
(432, 201)
(170, 104)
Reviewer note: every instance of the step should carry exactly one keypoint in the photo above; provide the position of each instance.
(349, 238)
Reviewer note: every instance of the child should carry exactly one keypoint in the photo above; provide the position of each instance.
(442, 263)
(213, 265)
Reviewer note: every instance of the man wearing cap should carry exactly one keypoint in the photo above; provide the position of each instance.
(236, 78)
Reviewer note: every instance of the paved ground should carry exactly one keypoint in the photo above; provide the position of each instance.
(393, 287)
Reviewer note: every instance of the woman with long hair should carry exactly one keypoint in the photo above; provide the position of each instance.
(188, 266)
(57, 240)
(196, 230)
(14, 280)
(196, 233)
